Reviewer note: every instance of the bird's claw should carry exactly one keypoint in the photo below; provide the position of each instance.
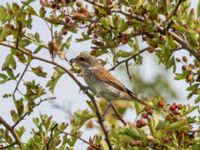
(84, 88)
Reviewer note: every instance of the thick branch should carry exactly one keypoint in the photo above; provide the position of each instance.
(12, 131)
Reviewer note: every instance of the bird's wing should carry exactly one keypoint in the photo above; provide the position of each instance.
(107, 77)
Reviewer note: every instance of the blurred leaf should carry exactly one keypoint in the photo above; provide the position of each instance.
(39, 72)
(9, 61)
(197, 100)
(3, 13)
(198, 9)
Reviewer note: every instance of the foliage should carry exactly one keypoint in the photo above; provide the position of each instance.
(114, 28)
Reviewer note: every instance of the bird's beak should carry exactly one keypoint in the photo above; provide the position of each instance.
(71, 61)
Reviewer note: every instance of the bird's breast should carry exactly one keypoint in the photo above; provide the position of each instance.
(99, 87)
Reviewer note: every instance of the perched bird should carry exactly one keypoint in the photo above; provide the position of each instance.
(101, 82)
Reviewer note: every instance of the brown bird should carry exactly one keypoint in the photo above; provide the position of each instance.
(101, 82)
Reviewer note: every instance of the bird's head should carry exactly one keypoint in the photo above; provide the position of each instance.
(85, 60)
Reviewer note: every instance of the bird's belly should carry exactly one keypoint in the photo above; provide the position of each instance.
(100, 88)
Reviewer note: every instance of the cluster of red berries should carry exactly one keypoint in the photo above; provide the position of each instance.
(141, 122)
(175, 108)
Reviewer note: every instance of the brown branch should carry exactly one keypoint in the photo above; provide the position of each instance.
(51, 135)
(8, 146)
(162, 31)
(174, 11)
(117, 113)
(12, 131)
(126, 60)
(21, 77)
(83, 140)
(27, 113)
(100, 120)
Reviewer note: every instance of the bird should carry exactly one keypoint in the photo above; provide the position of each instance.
(101, 82)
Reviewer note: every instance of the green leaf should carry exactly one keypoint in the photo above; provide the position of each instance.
(179, 125)
(133, 133)
(9, 61)
(198, 9)
(68, 42)
(197, 100)
(42, 12)
(2, 13)
(4, 78)
(39, 72)
(51, 84)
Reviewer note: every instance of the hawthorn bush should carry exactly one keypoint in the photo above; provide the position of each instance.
(116, 29)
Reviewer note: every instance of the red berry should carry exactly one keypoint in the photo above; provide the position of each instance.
(161, 104)
(140, 123)
(165, 139)
(172, 108)
(67, 19)
(150, 111)
(145, 115)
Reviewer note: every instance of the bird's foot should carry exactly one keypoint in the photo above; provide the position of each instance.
(84, 88)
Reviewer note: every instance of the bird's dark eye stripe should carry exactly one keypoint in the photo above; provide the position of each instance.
(81, 58)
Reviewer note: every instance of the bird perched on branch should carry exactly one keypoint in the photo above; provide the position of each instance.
(101, 82)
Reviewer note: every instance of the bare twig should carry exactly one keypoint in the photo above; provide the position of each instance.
(11, 129)
(117, 113)
(83, 140)
(21, 77)
(126, 60)
(100, 120)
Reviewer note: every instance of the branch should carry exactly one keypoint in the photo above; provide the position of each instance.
(100, 120)
(126, 60)
(174, 11)
(51, 135)
(73, 135)
(21, 77)
(162, 31)
(11, 129)
(8, 146)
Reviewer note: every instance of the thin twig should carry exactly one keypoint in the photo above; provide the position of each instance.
(83, 140)
(174, 11)
(11, 129)
(8, 146)
(126, 60)
(51, 135)
(117, 113)
(21, 77)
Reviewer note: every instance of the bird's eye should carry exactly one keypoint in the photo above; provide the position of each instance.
(81, 58)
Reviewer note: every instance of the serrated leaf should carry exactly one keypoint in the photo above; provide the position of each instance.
(51, 84)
